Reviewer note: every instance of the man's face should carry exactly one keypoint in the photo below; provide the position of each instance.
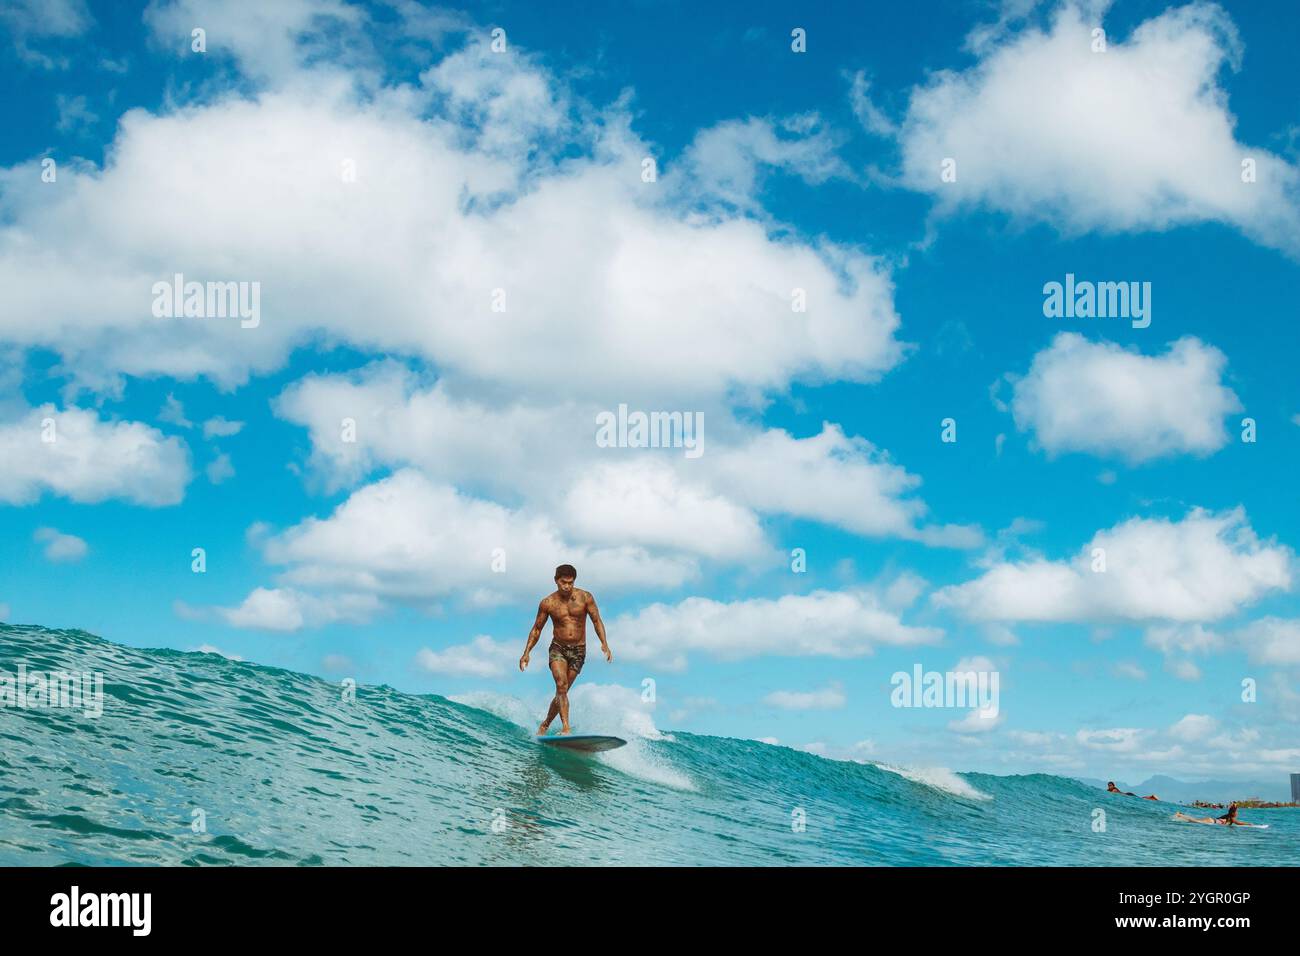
(565, 585)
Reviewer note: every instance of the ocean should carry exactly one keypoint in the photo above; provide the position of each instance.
(197, 760)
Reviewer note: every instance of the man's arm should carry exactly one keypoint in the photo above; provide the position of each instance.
(535, 633)
(599, 625)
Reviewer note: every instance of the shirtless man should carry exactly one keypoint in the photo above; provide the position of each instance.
(568, 609)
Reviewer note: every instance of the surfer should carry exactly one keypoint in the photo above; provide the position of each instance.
(1229, 819)
(1111, 788)
(568, 608)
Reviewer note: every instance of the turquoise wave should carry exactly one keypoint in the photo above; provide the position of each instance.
(199, 760)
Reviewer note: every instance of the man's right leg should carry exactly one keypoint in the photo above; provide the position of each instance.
(560, 702)
(550, 716)
(560, 671)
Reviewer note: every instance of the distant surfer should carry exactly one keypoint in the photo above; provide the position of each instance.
(568, 608)
(1229, 819)
(1111, 788)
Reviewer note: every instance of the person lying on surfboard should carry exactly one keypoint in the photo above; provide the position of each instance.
(1111, 788)
(1229, 819)
(568, 608)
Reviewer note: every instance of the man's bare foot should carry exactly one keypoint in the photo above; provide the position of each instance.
(541, 730)
(566, 730)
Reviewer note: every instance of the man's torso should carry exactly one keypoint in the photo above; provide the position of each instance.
(568, 617)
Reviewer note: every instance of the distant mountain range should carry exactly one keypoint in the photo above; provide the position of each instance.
(1211, 791)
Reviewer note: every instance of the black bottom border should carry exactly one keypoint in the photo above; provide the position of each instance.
(334, 905)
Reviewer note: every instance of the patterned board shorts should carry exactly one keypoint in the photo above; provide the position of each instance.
(574, 655)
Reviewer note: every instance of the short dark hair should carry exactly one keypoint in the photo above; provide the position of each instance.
(566, 571)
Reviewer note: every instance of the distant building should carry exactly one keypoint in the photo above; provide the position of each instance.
(1295, 788)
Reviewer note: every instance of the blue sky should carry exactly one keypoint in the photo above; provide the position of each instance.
(521, 170)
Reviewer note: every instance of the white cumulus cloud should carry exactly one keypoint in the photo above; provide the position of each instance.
(1138, 137)
(1100, 398)
(75, 454)
(1271, 640)
(1202, 568)
(840, 624)
(827, 698)
(285, 609)
(408, 539)
(60, 546)
(481, 657)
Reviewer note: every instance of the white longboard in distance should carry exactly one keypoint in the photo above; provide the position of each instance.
(584, 743)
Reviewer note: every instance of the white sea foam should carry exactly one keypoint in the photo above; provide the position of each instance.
(940, 778)
(500, 705)
(598, 709)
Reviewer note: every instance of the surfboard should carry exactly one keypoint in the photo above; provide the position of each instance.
(583, 743)
(1182, 816)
